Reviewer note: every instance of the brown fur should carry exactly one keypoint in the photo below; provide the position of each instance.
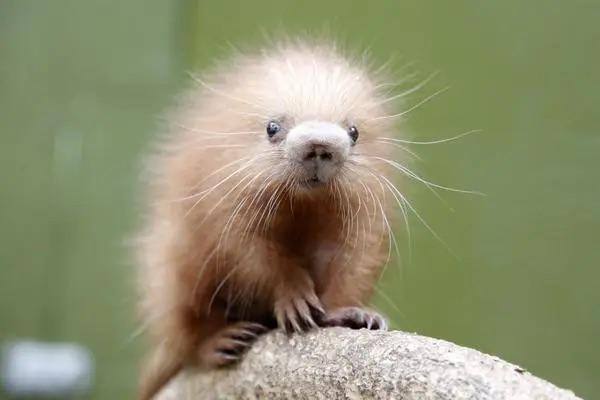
(223, 248)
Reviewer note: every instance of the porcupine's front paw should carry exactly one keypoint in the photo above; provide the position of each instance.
(355, 318)
(229, 345)
(298, 309)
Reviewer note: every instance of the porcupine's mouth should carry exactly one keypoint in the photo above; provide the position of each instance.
(313, 182)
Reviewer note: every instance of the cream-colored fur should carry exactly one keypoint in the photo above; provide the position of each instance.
(233, 234)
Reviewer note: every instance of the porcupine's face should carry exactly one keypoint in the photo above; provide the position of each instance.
(298, 119)
(323, 115)
(315, 149)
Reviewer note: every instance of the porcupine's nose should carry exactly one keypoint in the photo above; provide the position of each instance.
(319, 147)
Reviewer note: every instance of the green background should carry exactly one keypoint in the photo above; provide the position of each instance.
(82, 85)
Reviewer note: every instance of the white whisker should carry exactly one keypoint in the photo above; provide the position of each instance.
(411, 174)
(403, 148)
(224, 146)
(433, 141)
(208, 176)
(218, 288)
(411, 90)
(414, 211)
(223, 94)
(389, 301)
(207, 192)
(196, 130)
(411, 108)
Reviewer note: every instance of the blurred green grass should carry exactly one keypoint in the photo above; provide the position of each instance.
(81, 85)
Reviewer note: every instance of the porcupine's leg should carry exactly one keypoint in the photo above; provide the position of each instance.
(224, 346)
(228, 345)
(344, 296)
(296, 306)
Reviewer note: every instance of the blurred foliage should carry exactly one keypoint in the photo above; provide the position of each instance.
(82, 84)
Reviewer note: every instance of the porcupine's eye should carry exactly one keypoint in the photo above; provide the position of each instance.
(353, 132)
(272, 128)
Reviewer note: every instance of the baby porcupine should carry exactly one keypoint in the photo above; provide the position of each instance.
(269, 207)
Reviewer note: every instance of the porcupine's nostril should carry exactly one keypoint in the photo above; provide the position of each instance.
(322, 152)
(310, 155)
(326, 156)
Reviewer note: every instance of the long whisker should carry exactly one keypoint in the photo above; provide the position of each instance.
(210, 175)
(433, 141)
(411, 90)
(411, 108)
(259, 192)
(261, 218)
(196, 130)
(207, 192)
(251, 114)
(406, 171)
(400, 204)
(224, 146)
(223, 94)
(369, 192)
(203, 194)
(413, 175)
(384, 216)
(285, 188)
(200, 273)
(219, 287)
(347, 212)
(227, 228)
(391, 236)
(226, 195)
(392, 242)
(272, 204)
(407, 77)
(403, 148)
(236, 211)
(414, 211)
(389, 301)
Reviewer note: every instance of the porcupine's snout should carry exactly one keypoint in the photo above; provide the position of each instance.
(319, 148)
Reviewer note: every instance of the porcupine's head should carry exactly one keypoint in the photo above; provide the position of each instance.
(322, 115)
(297, 120)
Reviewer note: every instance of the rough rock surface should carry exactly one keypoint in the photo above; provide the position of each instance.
(341, 363)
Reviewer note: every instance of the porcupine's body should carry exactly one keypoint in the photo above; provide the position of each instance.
(267, 207)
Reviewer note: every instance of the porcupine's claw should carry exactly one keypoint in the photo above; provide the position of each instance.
(355, 318)
(298, 310)
(229, 345)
